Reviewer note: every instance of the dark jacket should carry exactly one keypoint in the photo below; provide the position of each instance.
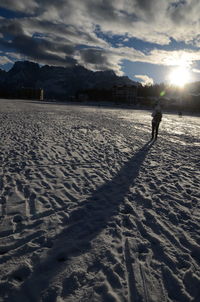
(157, 117)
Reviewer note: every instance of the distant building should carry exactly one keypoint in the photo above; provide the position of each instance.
(124, 93)
(31, 93)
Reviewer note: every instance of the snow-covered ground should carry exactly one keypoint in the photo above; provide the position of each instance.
(91, 211)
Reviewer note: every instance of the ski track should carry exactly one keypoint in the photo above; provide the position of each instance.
(91, 210)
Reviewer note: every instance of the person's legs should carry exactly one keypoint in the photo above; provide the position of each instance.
(156, 128)
(153, 130)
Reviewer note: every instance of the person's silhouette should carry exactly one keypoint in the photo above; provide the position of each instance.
(157, 117)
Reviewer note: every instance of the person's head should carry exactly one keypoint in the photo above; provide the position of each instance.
(158, 107)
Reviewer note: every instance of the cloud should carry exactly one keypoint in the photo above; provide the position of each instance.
(63, 32)
(173, 58)
(146, 80)
(4, 60)
(9, 57)
(196, 70)
(40, 48)
(151, 20)
(22, 5)
(13, 55)
(99, 59)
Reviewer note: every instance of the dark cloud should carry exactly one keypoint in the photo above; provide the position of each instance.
(94, 56)
(99, 59)
(38, 49)
(178, 12)
(104, 8)
(11, 28)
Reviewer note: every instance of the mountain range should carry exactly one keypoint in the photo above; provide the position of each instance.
(58, 82)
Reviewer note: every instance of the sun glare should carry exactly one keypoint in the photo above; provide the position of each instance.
(179, 76)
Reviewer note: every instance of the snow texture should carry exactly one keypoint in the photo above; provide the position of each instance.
(91, 210)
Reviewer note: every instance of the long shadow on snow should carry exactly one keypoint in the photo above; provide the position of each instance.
(83, 225)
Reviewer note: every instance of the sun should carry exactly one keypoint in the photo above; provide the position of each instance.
(179, 76)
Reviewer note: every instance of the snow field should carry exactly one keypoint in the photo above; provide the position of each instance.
(91, 210)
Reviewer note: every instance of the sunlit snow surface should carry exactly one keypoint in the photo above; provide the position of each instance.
(92, 211)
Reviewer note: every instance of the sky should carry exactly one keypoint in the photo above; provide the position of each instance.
(145, 40)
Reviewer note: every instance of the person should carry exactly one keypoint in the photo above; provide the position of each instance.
(157, 117)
